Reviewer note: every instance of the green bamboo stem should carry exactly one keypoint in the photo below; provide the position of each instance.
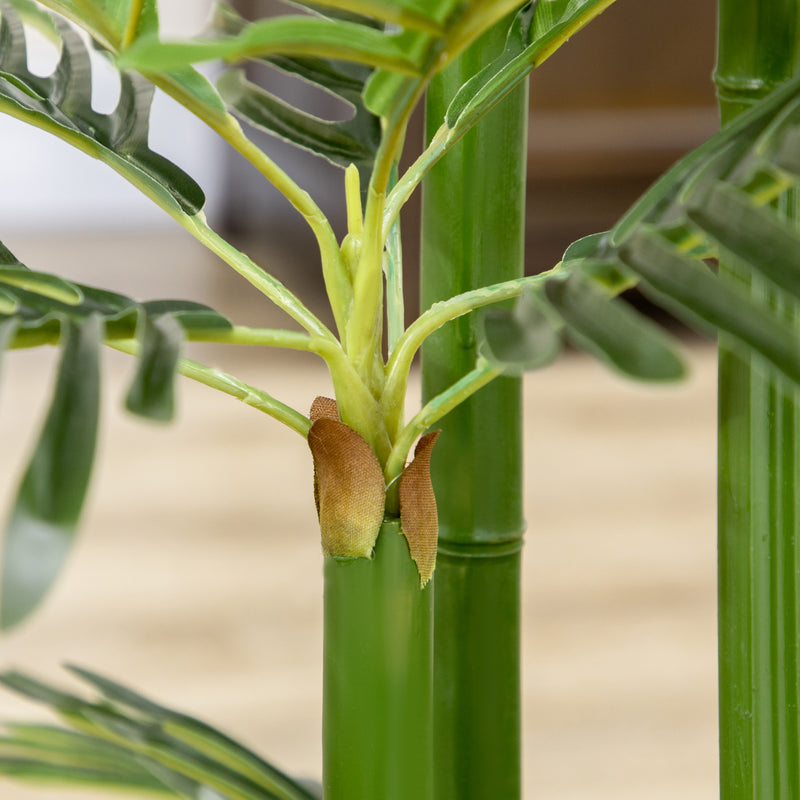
(377, 676)
(759, 470)
(473, 230)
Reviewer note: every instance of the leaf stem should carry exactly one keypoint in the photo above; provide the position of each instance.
(365, 324)
(263, 337)
(132, 25)
(263, 281)
(228, 384)
(238, 334)
(412, 177)
(334, 271)
(399, 363)
(433, 411)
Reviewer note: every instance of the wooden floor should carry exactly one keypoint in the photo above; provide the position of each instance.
(197, 576)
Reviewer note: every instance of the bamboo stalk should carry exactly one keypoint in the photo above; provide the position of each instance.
(759, 470)
(473, 235)
(377, 680)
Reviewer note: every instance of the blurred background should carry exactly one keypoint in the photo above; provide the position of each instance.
(197, 576)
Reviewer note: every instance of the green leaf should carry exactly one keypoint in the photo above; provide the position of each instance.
(45, 515)
(714, 199)
(41, 283)
(611, 330)
(161, 749)
(33, 14)
(61, 104)
(8, 328)
(191, 316)
(353, 141)
(37, 308)
(38, 314)
(693, 292)
(523, 338)
(196, 734)
(7, 258)
(45, 754)
(538, 29)
(193, 770)
(181, 785)
(342, 142)
(152, 393)
(585, 247)
(663, 203)
(425, 15)
(285, 35)
(780, 142)
(755, 235)
(8, 304)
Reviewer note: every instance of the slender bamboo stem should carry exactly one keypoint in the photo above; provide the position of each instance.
(759, 470)
(377, 727)
(473, 226)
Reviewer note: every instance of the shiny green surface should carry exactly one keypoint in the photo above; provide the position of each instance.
(377, 678)
(759, 462)
(473, 235)
(473, 228)
(477, 720)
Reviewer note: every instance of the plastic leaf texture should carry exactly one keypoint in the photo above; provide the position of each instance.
(611, 330)
(395, 47)
(60, 103)
(125, 740)
(538, 30)
(343, 142)
(49, 501)
(44, 309)
(291, 35)
(525, 337)
(715, 199)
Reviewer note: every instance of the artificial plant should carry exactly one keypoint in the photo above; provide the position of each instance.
(759, 456)
(372, 486)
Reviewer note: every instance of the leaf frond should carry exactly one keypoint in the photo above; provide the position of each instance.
(61, 104)
(124, 739)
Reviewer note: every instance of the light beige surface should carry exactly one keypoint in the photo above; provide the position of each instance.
(197, 576)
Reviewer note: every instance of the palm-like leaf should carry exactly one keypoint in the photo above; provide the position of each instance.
(61, 104)
(39, 308)
(126, 740)
(715, 199)
(343, 142)
(371, 53)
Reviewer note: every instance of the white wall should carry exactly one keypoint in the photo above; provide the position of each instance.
(45, 183)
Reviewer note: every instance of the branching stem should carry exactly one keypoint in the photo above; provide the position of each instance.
(433, 411)
(225, 125)
(221, 381)
(399, 364)
(263, 281)
(263, 337)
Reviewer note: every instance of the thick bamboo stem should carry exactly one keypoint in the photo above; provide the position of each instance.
(759, 470)
(378, 660)
(473, 231)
